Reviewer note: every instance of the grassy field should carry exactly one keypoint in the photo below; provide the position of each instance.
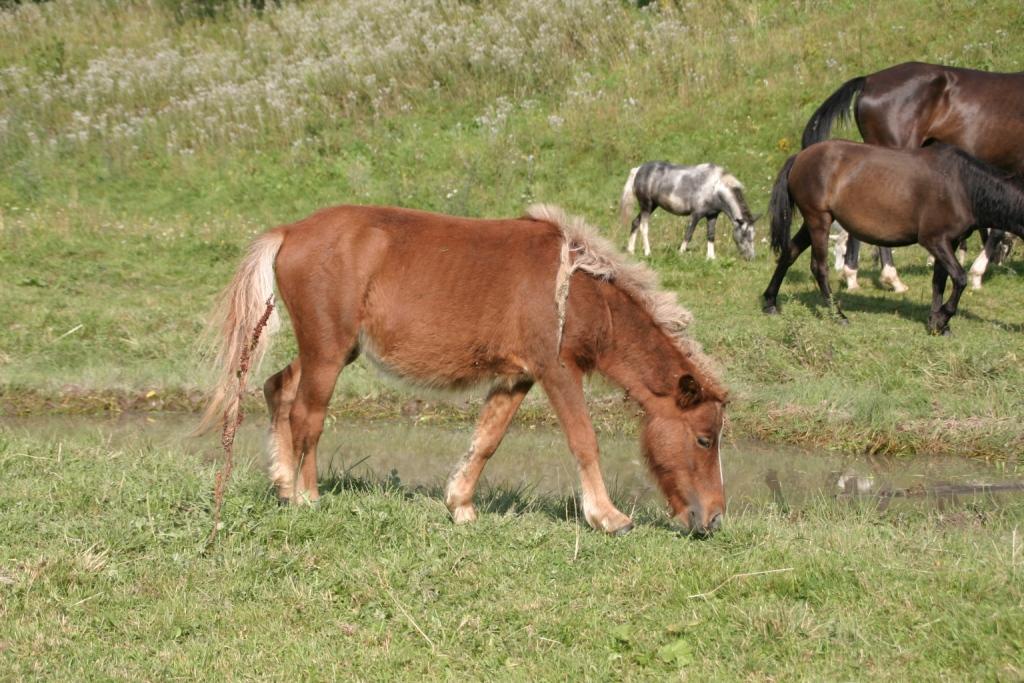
(144, 142)
(104, 569)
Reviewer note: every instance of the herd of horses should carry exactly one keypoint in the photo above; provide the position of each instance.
(453, 302)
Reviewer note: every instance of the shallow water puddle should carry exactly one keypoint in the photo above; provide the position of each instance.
(537, 459)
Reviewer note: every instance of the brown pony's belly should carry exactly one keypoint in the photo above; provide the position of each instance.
(445, 364)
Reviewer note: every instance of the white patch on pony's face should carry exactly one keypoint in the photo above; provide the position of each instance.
(718, 452)
(743, 235)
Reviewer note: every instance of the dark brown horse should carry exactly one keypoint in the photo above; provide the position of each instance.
(455, 302)
(909, 105)
(933, 196)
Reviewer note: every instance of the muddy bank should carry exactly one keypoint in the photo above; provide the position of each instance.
(535, 460)
(988, 438)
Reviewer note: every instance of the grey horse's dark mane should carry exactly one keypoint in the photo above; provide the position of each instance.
(742, 201)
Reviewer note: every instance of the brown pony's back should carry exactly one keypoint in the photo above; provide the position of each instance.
(439, 299)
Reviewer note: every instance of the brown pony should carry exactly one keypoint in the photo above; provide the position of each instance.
(912, 104)
(933, 196)
(455, 302)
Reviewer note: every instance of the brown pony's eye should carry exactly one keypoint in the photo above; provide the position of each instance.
(703, 442)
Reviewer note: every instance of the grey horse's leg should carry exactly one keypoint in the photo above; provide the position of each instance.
(694, 219)
(711, 236)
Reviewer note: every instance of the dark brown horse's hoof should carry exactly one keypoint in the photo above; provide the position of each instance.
(624, 530)
(770, 309)
(842, 320)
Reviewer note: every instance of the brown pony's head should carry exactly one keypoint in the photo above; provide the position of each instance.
(681, 443)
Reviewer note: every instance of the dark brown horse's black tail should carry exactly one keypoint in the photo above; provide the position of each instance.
(837, 106)
(780, 208)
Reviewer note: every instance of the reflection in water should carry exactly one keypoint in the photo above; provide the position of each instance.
(537, 459)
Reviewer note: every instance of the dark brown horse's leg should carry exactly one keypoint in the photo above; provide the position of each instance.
(819, 261)
(564, 387)
(945, 264)
(279, 392)
(990, 253)
(501, 405)
(797, 245)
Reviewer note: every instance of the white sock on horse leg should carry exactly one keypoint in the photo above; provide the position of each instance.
(891, 278)
(850, 275)
(711, 251)
(978, 269)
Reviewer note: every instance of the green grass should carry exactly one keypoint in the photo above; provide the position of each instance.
(104, 568)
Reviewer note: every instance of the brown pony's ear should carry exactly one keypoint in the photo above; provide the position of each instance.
(690, 391)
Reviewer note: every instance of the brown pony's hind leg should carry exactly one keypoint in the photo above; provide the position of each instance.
(501, 405)
(564, 387)
(316, 384)
(279, 391)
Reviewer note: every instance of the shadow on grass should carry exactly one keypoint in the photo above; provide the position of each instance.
(494, 500)
(887, 303)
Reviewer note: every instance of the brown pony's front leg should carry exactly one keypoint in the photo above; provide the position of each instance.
(564, 387)
(320, 369)
(501, 405)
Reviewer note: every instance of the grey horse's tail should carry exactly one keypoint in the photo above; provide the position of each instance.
(837, 106)
(627, 204)
(780, 208)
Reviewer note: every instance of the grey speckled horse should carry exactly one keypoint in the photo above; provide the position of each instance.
(701, 191)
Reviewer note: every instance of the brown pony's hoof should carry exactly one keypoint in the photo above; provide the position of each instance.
(622, 531)
(770, 309)
(842, 320)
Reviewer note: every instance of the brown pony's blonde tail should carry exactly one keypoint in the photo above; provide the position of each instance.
(243, 322)
(627, 204)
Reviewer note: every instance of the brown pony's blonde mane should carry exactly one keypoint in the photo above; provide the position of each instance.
(584, 249)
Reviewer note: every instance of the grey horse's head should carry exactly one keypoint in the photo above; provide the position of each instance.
(743, 235)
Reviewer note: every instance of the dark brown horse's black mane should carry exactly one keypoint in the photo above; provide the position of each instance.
(996, 196)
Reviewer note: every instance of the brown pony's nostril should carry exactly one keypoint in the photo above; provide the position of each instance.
(716, 522)
(693, 521)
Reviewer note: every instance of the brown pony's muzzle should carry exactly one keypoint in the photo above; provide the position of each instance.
(699, 521)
